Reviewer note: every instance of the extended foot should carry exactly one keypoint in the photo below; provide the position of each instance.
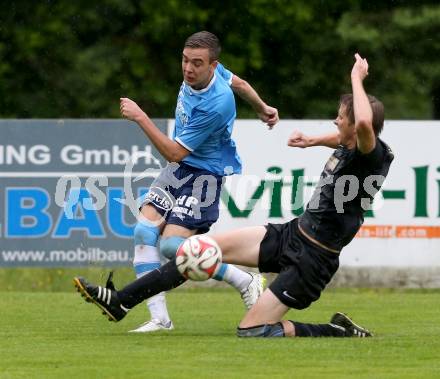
(351, 329)
(105, 298)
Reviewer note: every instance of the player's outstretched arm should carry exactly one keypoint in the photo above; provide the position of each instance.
(299, 139)
(169, 149)
(266, 113)
(363, 114)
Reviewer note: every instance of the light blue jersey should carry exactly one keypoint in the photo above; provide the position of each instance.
(204, 121)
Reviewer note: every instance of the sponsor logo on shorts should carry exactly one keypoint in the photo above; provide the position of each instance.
(160, 198)
(285, 293)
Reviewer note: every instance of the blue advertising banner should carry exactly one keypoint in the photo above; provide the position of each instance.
(70, 190)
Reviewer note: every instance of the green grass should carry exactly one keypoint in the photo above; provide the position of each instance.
(56, 279)
(58, 335)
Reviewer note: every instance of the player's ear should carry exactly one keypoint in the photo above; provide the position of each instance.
(214, 64)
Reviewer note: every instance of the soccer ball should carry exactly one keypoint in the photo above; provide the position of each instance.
(198, 258)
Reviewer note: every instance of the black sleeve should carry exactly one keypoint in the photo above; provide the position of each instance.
(376, 156)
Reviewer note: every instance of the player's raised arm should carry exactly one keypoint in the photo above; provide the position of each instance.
(299, 139)
(266, 113)
(169, 149)
(363, 114)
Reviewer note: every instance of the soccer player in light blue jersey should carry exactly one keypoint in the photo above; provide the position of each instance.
(184, 199)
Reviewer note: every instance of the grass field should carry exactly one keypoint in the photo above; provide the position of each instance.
(58, 335)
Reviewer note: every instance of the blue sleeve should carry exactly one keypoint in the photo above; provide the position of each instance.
(224, 73)
(201, 125)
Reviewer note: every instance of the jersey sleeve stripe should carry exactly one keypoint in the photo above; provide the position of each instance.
(230, 79)
(179, 141)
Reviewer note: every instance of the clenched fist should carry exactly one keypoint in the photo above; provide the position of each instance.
(130, 110)
(298, 139)
(269, 115)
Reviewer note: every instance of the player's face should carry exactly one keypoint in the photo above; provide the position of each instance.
(343, 123)
(196, 68)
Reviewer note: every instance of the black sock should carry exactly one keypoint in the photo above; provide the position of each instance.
(317, 330)
(164, 278)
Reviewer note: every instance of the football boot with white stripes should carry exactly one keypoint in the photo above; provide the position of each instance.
(105, 298)
(351, 329)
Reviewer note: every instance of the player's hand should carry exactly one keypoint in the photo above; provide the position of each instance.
(130, 110)
(269, 115)
(298, 139)
(360, 67)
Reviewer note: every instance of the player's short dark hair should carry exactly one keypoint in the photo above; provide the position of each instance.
(376, 106)
(205, 40)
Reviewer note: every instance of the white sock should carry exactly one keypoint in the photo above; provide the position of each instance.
(237, 278)
(146, 259)
(158, 308)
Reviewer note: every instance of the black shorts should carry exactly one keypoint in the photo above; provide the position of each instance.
(304, 268)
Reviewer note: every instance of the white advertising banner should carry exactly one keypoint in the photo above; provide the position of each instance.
(403, 230)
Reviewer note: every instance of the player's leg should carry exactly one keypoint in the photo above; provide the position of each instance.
(197, 208)
(116, 304)
(250, 285)
(156, 208)
(267, 310)
(304, 271)
(264, 319)
(241, 246)
(168, 277)
(147, 258)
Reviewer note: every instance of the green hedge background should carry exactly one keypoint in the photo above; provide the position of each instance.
(74, 59)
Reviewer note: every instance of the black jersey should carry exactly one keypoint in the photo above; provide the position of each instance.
(345, 191)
